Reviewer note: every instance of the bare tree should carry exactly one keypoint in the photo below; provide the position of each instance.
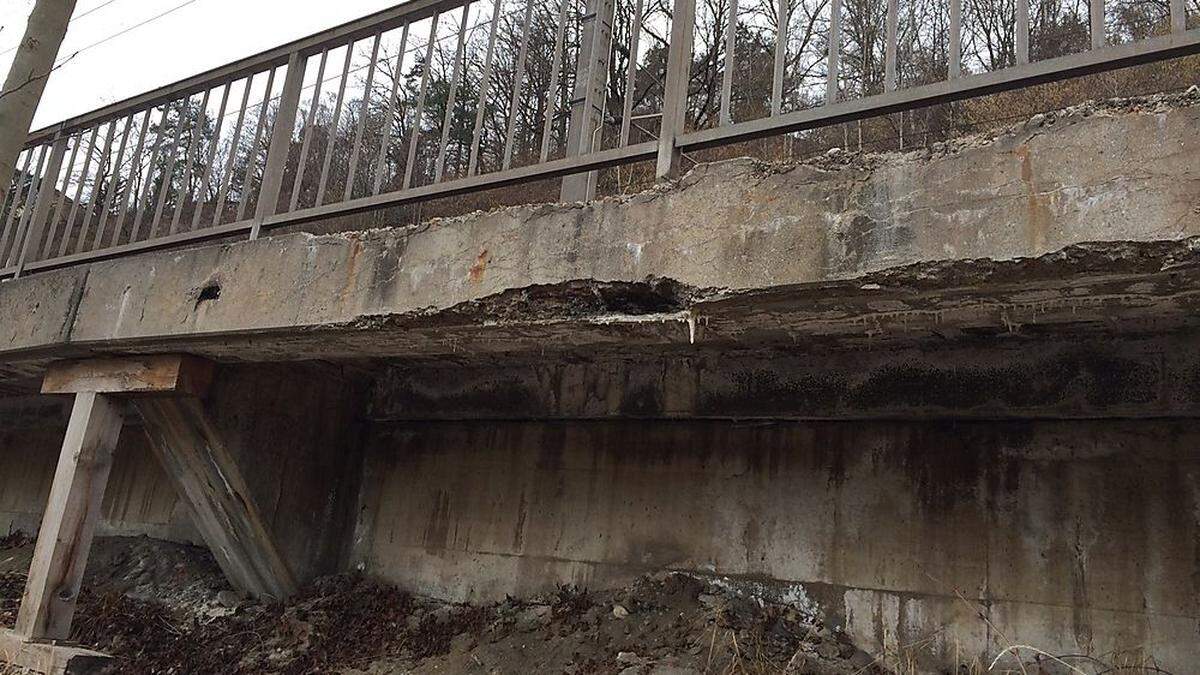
(26, 80)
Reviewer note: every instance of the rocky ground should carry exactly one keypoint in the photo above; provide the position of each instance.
(164, 608)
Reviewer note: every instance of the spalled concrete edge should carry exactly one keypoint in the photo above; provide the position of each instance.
(738, 226)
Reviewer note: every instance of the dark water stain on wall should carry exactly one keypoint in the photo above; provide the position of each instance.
(437, 525)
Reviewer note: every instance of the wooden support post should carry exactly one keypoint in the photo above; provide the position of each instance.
(69, 522)
(210, 483)
(164, 389)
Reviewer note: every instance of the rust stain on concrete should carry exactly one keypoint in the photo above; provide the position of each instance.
(1038, 217)
(480, 266)
(352, 269)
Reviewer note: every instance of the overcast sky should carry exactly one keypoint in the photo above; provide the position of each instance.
(201, 34)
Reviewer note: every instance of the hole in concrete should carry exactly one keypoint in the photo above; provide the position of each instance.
(209, 292)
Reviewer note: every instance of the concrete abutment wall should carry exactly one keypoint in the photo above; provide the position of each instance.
(1074, 536)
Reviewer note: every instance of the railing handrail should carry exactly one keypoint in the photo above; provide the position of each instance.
(412, 10)
(33, 229)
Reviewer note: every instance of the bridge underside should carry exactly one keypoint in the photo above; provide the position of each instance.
(759, 373)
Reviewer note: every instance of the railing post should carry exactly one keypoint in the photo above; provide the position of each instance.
(281, 142)
(679, 66)
(1022, 37)
(587, 104)
(1096, 19)
(1178, 16)
(45, 196)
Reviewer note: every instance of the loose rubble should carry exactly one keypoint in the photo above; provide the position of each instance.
(664, 624)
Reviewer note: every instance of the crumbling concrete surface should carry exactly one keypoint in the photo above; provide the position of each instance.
(1109, 173)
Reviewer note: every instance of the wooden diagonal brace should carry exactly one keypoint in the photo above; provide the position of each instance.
(210, 483)
(164, 389)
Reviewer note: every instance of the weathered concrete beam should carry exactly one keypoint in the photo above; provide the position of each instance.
(966, 379)
(209, 480)
(821, 230)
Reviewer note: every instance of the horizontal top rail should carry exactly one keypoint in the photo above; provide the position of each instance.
(413, 10)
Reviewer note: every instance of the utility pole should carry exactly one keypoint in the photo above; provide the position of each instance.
(27, 80)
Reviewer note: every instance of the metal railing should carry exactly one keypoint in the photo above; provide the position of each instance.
(441, 97)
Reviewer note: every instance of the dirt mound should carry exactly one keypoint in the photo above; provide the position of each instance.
(138, 567)
(159, 608)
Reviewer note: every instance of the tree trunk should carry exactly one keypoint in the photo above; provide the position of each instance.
(27, 79)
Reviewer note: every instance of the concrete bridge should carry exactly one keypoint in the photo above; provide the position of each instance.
(943, 397)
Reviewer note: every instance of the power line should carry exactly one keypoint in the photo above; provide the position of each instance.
(130, 29)
(93, 10)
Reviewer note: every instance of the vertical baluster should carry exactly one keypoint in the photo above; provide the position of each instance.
(57, 217)
(143, 197)
(227, 178)
(518, 82)
(252, 154)
(135, 171)
(331, 136)
(281, 142)
(781, 39)
(27, 209)
(381, 161)
(41, 208)
(111, 194)
(955, 54)
(167, 179)
(202, 193)
(1022, 37)
(18, 223)
(83, 174)
(1096, 14)
(10, 221)
(481, 107)
(309, 121)
(552, 92)
(101, 169)
(453, 99)
(185, 187)
(730, 61)
(889, 77)
(364, 112)
(416, 130)
(835, 47)
(9, 196)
